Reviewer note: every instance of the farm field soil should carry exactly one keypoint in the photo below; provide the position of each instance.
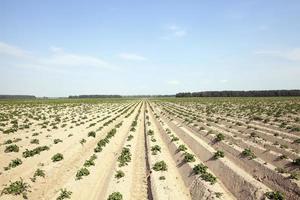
(156, 148)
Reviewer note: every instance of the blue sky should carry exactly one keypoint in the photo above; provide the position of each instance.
(59, 48)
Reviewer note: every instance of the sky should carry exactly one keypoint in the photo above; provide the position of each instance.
(63, 47)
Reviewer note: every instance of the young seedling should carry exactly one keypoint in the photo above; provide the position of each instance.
(115, 196)
(64, 194)
(82, 172)
(218, 154)
(248, 153)
(189, 157)
(92, 134)
(57, 157)
(275, 195)
(17, 188)
(119, 174)
(160, 166)
(11, 148)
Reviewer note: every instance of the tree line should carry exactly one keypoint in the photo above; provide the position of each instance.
(250, 93)
(17, 97)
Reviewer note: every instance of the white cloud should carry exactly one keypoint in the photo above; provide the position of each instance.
(224, 81)
(57, 59)
(132, 56)
(173, 82)
(174, 31)
(290, 54)
(10, 50)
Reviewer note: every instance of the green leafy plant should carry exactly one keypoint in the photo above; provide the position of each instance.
(188, 157)
(220, 137)
(125, 157)
(182, 147)
(82, 172)
(64, 194)
(17, 188)
(160, 166)
(11, 148)
(34, 141)
(248, 153)
(219, 154)
(55, 141)
(57, 157)
(155, 149)
(275, 195)
(37, 150)
(115, 196)
(119, 174)
(92, 134)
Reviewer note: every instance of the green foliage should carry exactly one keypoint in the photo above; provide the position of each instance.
(248, 153)
(219, 154)
(155, 149)
(57, 141)
(64, 194)
(189, 157)
(34, 141)
(182, 147)
(17, 188)
(37, 150)
(115, 196)
(125, 157)
(220, 137)
(92, 134)
(130, 137)
(296, 161)
(275, 195)
(82, 141)
(120, 174)
(206, 176)
(160, 166)
(11, 148)
(90, 162)
(13, 163)
(57, 157)
(82, 172)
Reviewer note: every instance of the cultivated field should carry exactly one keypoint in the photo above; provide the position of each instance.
(168, 149)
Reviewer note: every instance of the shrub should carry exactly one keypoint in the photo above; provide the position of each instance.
(57, 157)
(150, 132)
(174, 138)
(160, 166)
(219, 154)
(189, 157)
(275, 195)
(120, 174)
(11, 148)
(17, 188)
(82, 172)
(64, 194)
(115, 196)
(248, 153)
(92, 134)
